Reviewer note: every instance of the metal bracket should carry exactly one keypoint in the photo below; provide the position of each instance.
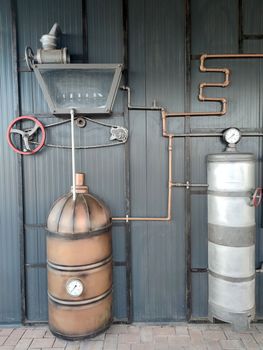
(119, 133)
(187, 185)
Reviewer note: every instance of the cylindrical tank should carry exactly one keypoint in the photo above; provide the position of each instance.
(79, 265)
(231, 238)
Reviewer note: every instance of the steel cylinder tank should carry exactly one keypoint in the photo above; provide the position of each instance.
(79, 265)
(231, 238)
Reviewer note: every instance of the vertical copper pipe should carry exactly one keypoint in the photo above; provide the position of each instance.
(166, 115)
(169, 196)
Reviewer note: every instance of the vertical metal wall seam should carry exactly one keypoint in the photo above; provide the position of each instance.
(20, 163)
(127, 166)
(240, 26)
(85, 52)
(187, 161)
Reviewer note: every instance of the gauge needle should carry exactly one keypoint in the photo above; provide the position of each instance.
(73, 288)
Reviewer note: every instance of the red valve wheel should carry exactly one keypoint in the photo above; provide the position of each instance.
(26, 134)
(257, 197)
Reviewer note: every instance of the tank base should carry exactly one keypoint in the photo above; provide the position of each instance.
(240, 321)
(79, 337)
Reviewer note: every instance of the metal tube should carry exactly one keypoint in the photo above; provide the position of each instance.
(139, 108)
(169, 196)
(72, 113)
(166, 115)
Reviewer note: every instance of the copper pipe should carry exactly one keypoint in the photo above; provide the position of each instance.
(165, 115)
(169, 197)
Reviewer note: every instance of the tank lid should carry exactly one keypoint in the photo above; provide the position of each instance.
(231, 157)
(85, 214)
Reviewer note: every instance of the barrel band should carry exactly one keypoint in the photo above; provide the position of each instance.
(232, 236)
(73, 236)
(80, 302)
(230, 193)
(79, 267)
(232, 279)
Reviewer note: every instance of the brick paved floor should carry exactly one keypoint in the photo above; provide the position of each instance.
(138, 337)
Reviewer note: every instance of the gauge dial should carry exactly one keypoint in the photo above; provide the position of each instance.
(232, 135)
(74, 287)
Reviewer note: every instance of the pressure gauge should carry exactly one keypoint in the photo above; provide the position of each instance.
(74, 287)
(232, 135)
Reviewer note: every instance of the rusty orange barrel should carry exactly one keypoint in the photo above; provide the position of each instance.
(79, 265)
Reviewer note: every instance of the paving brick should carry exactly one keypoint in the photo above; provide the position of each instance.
(259, 327)
(91, 345)
(181, 330)
(35, 333)
(6, 331)
(128, 338)
(159, 330)
(249, 341)
(146, 335)
(196, 347)
(214, 335)
(2, 339)
(231, 334)
(73, 345)
(259, 338)
(23, 344)
(213, 345)
(139, 347)
(160, 339)
(213, 327)
(6, 347)
(60, 343)
(42, 343)
(124, 347)
(15, 336)
(133, 329)
(160, 346)
(231, 344)
(110, 342)
(179, 340)
(48, 334)
(196, 336)
(118, 329)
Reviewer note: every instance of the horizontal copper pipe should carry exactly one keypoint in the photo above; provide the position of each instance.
(165, 115)
(169, 197)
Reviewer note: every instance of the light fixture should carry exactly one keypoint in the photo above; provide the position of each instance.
(85, 88)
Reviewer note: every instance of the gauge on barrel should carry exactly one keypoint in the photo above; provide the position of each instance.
(74, 287)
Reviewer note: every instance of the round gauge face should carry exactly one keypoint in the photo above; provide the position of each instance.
(232, 135)
(74, 287)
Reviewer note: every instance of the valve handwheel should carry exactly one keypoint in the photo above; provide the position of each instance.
(27, 135)
(257, 197)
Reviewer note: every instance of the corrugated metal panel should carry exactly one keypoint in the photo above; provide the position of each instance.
(10, 303)
(156, 72)
(156, 53)
(214, 26)
(244, 96)
(104, 31)
(252, 16)
(48, 175)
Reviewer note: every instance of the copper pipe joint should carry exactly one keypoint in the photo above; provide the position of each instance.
(80, 183)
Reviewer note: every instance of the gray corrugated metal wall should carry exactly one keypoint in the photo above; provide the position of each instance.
(157, 70)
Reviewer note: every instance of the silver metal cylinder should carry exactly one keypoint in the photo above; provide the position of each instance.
(52, 56)
(231, 238)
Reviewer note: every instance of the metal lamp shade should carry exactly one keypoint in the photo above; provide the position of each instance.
(86, 88)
